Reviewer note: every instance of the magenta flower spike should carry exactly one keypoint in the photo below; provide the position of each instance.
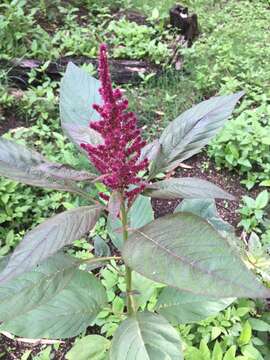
(117, 158)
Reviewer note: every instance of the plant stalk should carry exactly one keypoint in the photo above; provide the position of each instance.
(128, 272)
(102, 259)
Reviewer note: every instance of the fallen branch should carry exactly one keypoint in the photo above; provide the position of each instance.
(123, 71)
(34, 342)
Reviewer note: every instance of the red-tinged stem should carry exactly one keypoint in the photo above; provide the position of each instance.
(128, 272)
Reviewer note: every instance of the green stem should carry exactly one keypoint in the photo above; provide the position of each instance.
(128, 273)
(104, 258)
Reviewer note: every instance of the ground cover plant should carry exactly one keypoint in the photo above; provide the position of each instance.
(157, 100)
(61, 294)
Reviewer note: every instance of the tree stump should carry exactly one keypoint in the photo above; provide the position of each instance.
(188, 24)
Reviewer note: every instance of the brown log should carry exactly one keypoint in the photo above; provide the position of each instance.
(123, 71)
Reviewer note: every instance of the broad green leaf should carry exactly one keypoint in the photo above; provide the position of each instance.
(49, 237)
(215, 332)
(145, 288)
(101, 247)
(202, 207)
(192, 130)
(193, 353)
(184, 251)
(29, 167)
(91, 347)
(204, 350)
(140, 213)
(245, 335)
(78, 93)
(31, 289)
(217, 352)
(186, 188)
(150, 151)
(181, 307)
(259, 325)
(230, 354)
(26, 355)
(251, 352)
(206, 209)
(254, 245)
(262, 200)
(54, 300)
(146, 336)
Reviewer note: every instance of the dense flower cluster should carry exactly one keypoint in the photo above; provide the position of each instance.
(117, 158)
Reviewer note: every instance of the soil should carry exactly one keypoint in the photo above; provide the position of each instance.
(13, 350)
(204, 168)
(9, 120)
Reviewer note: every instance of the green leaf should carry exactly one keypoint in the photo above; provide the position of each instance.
(204, 350)
(193, 353)
(91, 347)
(251, 352)
(262, 200)
(55, 300)
(145, 288)
(101, 247)
(207, 210)
(29, 167)
(245, 335)
(186, 188)
(183, 251)
(215, 332)
(217, 352)
(140, 213)
(265, 183)
(259, 325)
(150, 151)
(78, 92)
(49, 237)
(230, 354)
(49, 278)
(146, 336)
(181, 307)
(255, 245)
(188, 133)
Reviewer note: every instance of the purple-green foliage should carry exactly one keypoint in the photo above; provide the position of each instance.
(45, 293)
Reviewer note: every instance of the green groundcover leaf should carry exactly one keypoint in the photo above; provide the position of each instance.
(146, 336)
(49, 237)
(184, 251)
(186, 188)
(141, 213)
(29, 167)
(55, 300)
(181, 307)
(192, 130)
(78, 92)
(91, 347)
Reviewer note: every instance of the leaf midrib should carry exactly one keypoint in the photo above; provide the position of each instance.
(185, 261)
